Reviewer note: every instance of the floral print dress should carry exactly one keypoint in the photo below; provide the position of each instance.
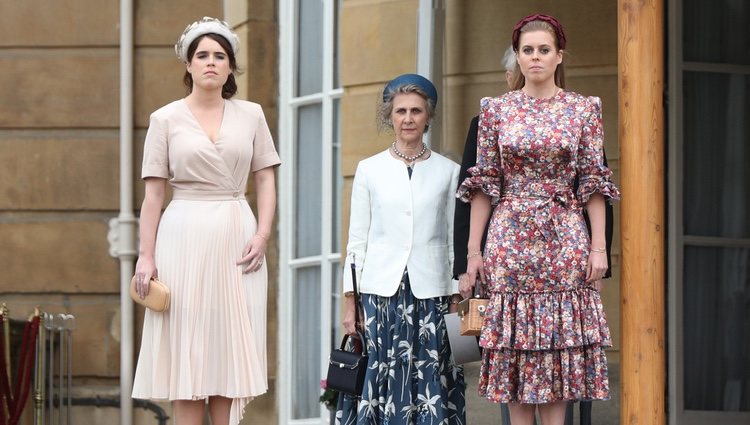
(545, 331)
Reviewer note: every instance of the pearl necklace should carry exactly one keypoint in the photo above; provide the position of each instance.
(410, 159)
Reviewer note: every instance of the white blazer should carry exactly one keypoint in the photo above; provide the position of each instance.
(398, 222)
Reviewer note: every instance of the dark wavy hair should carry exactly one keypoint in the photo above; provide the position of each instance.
(230, 87)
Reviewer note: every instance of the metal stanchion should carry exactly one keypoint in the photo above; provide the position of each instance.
(54, 358)
(40, 366)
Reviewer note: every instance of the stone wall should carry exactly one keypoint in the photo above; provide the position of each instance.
(59, 158)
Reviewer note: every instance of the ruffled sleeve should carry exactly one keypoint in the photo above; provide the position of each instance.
(486, 175)
(593, 176)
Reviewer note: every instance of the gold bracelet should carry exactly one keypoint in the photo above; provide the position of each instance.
(473, 254)
(348, 294)
(602, 250)
(265, 238)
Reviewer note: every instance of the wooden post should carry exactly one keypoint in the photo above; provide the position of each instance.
(642, 144)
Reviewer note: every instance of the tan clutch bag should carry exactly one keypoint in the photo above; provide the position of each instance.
(471, 312)
(157, 298)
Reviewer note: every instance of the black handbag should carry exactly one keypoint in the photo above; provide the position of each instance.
(346, 369)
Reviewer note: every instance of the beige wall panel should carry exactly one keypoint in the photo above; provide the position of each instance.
(157, 82)
(462, 103)
(604, 87)
(479, 31)
(162, 22)
(138, 186)
(242, 78)
(96, 338)
(58, 256)
(261, 67)
(59, 23)
(236, 12)
(263, 410)
(359, 133)
(475, 35)
(59, 88)
(379, 41)
(60, 170)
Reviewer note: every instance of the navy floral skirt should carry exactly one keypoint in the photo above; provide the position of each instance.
(411, 378)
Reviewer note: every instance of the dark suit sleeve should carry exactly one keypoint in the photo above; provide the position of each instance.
(462, 214)
(609, 217)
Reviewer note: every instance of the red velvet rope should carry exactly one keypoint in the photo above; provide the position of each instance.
(22, 385)
(5, 396)
(12, 403)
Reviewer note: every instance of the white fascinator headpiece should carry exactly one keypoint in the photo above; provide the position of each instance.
(207, 25)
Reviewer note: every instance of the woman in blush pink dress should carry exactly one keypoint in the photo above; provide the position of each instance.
(207, 246)
(544, 332)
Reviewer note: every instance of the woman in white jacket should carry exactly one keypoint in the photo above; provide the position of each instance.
(400, 240)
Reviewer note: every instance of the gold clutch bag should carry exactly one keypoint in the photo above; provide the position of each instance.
(157, 298)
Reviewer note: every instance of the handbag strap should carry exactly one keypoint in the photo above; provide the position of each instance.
(357, 307)
(478, 291)
(357, 301)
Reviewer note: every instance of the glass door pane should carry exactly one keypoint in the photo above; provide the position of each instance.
(717, 325)
(308, 182)
(306, 343)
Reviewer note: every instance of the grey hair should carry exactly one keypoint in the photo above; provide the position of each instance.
(386, 107)
(509, 59)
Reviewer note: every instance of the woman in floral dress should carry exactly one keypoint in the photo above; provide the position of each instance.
(545, 332)
(401, 242)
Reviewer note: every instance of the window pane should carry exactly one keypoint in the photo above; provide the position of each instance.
(716, 31)
(716, 329)
(716, 180)
(338, 182)
(310, 47)
(308, 186)
(306, 343)
(337, 331)
(336, 44)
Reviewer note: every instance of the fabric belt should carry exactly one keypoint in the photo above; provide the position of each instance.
(555, 201)
(208, 195)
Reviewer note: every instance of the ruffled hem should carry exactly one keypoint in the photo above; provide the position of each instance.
(486, 179)
(552, 320)
(544, 376)
(597, 184)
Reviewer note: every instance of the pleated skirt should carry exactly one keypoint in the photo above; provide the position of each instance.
(212, 340)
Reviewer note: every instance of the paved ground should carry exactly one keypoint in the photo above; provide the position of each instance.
(482, 412)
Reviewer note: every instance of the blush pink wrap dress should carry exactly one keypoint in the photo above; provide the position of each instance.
(212, 340)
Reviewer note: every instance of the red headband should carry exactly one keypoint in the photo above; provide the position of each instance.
(539, 17)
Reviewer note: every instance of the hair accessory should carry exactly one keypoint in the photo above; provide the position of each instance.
(556, 25)
(207, 25)
(402, 80)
